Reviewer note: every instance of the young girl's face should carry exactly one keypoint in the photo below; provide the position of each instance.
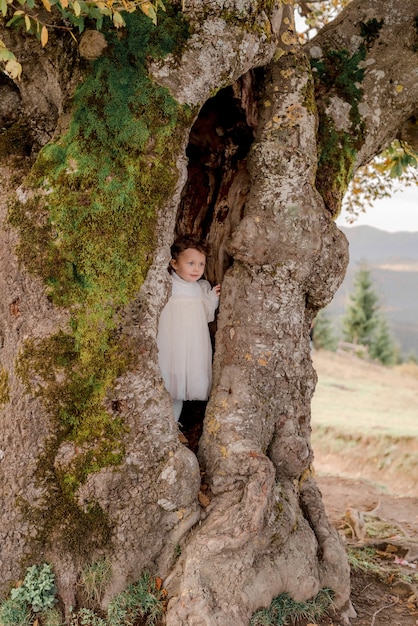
(189, 265)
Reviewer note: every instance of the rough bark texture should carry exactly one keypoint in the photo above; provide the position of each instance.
(360, 46)
(389, 86)
(288, 259)
(246, 170)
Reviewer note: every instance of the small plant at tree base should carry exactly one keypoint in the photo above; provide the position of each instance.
(364, 560)
(284, 608)
(14, 612)
(38, 589)
(86, 617)
(141, 599)
(94, 579)
(51, 617)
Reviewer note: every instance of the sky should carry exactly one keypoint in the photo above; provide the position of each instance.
(398, 213)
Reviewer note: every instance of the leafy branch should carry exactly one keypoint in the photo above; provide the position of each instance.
(73, 12)
(395, 166)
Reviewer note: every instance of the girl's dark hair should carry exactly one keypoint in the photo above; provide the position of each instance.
(184, 243)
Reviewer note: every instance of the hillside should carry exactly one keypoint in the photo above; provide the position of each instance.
(365, 421)
(393, 262)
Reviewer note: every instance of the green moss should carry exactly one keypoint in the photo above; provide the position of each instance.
(250, 21)
(4, 387)
(80, 530)
(88, 232)
(370, 30)
(340, 74)
(309, 101)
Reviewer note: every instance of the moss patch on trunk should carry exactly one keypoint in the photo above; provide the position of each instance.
(88, 230)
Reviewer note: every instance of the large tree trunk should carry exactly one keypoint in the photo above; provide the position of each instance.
(78, 486)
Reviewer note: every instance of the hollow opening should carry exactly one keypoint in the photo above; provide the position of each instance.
(215, 194)
(15, 135)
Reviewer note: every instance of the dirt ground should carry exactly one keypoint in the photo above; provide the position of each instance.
(371, 520)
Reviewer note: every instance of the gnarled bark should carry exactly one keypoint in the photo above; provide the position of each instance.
(246, 165)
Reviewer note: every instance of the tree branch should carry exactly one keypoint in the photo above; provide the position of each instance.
(388, 36)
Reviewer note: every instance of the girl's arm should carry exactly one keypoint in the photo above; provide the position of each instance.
(210, 298)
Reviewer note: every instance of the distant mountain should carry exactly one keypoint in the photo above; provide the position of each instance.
(377, 246)
(392, 259)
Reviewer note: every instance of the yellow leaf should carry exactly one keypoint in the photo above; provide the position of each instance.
(44, 36)
(149, 11)
(47, 5)
(118, 20)
(77, 8)
(27, 22)
(64, 3)
(14, 69)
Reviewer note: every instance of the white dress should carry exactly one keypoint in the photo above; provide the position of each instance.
(184, 346)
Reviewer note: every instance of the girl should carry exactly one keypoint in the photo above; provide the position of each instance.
(184, 346)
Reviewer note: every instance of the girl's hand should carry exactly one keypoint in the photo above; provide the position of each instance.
(217, 289)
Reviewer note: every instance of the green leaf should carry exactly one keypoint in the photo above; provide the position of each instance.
(76, 21)
(149, 11)
(118, 20)
(99, 22)
(6, 55)
(16, 17)
(3, 7)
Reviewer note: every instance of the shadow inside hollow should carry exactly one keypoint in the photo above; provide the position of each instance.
(191, 422)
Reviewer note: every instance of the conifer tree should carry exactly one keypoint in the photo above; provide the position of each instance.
(382, 348)
(361, 316)
(364, 323)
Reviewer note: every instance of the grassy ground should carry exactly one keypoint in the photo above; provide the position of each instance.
(355, 396)
(365, 421)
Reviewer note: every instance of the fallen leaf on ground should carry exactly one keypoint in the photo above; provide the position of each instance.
(203, 499)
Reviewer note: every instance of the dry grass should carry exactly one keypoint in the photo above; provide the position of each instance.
(365, 421)
(408, 369)
(360, 398)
